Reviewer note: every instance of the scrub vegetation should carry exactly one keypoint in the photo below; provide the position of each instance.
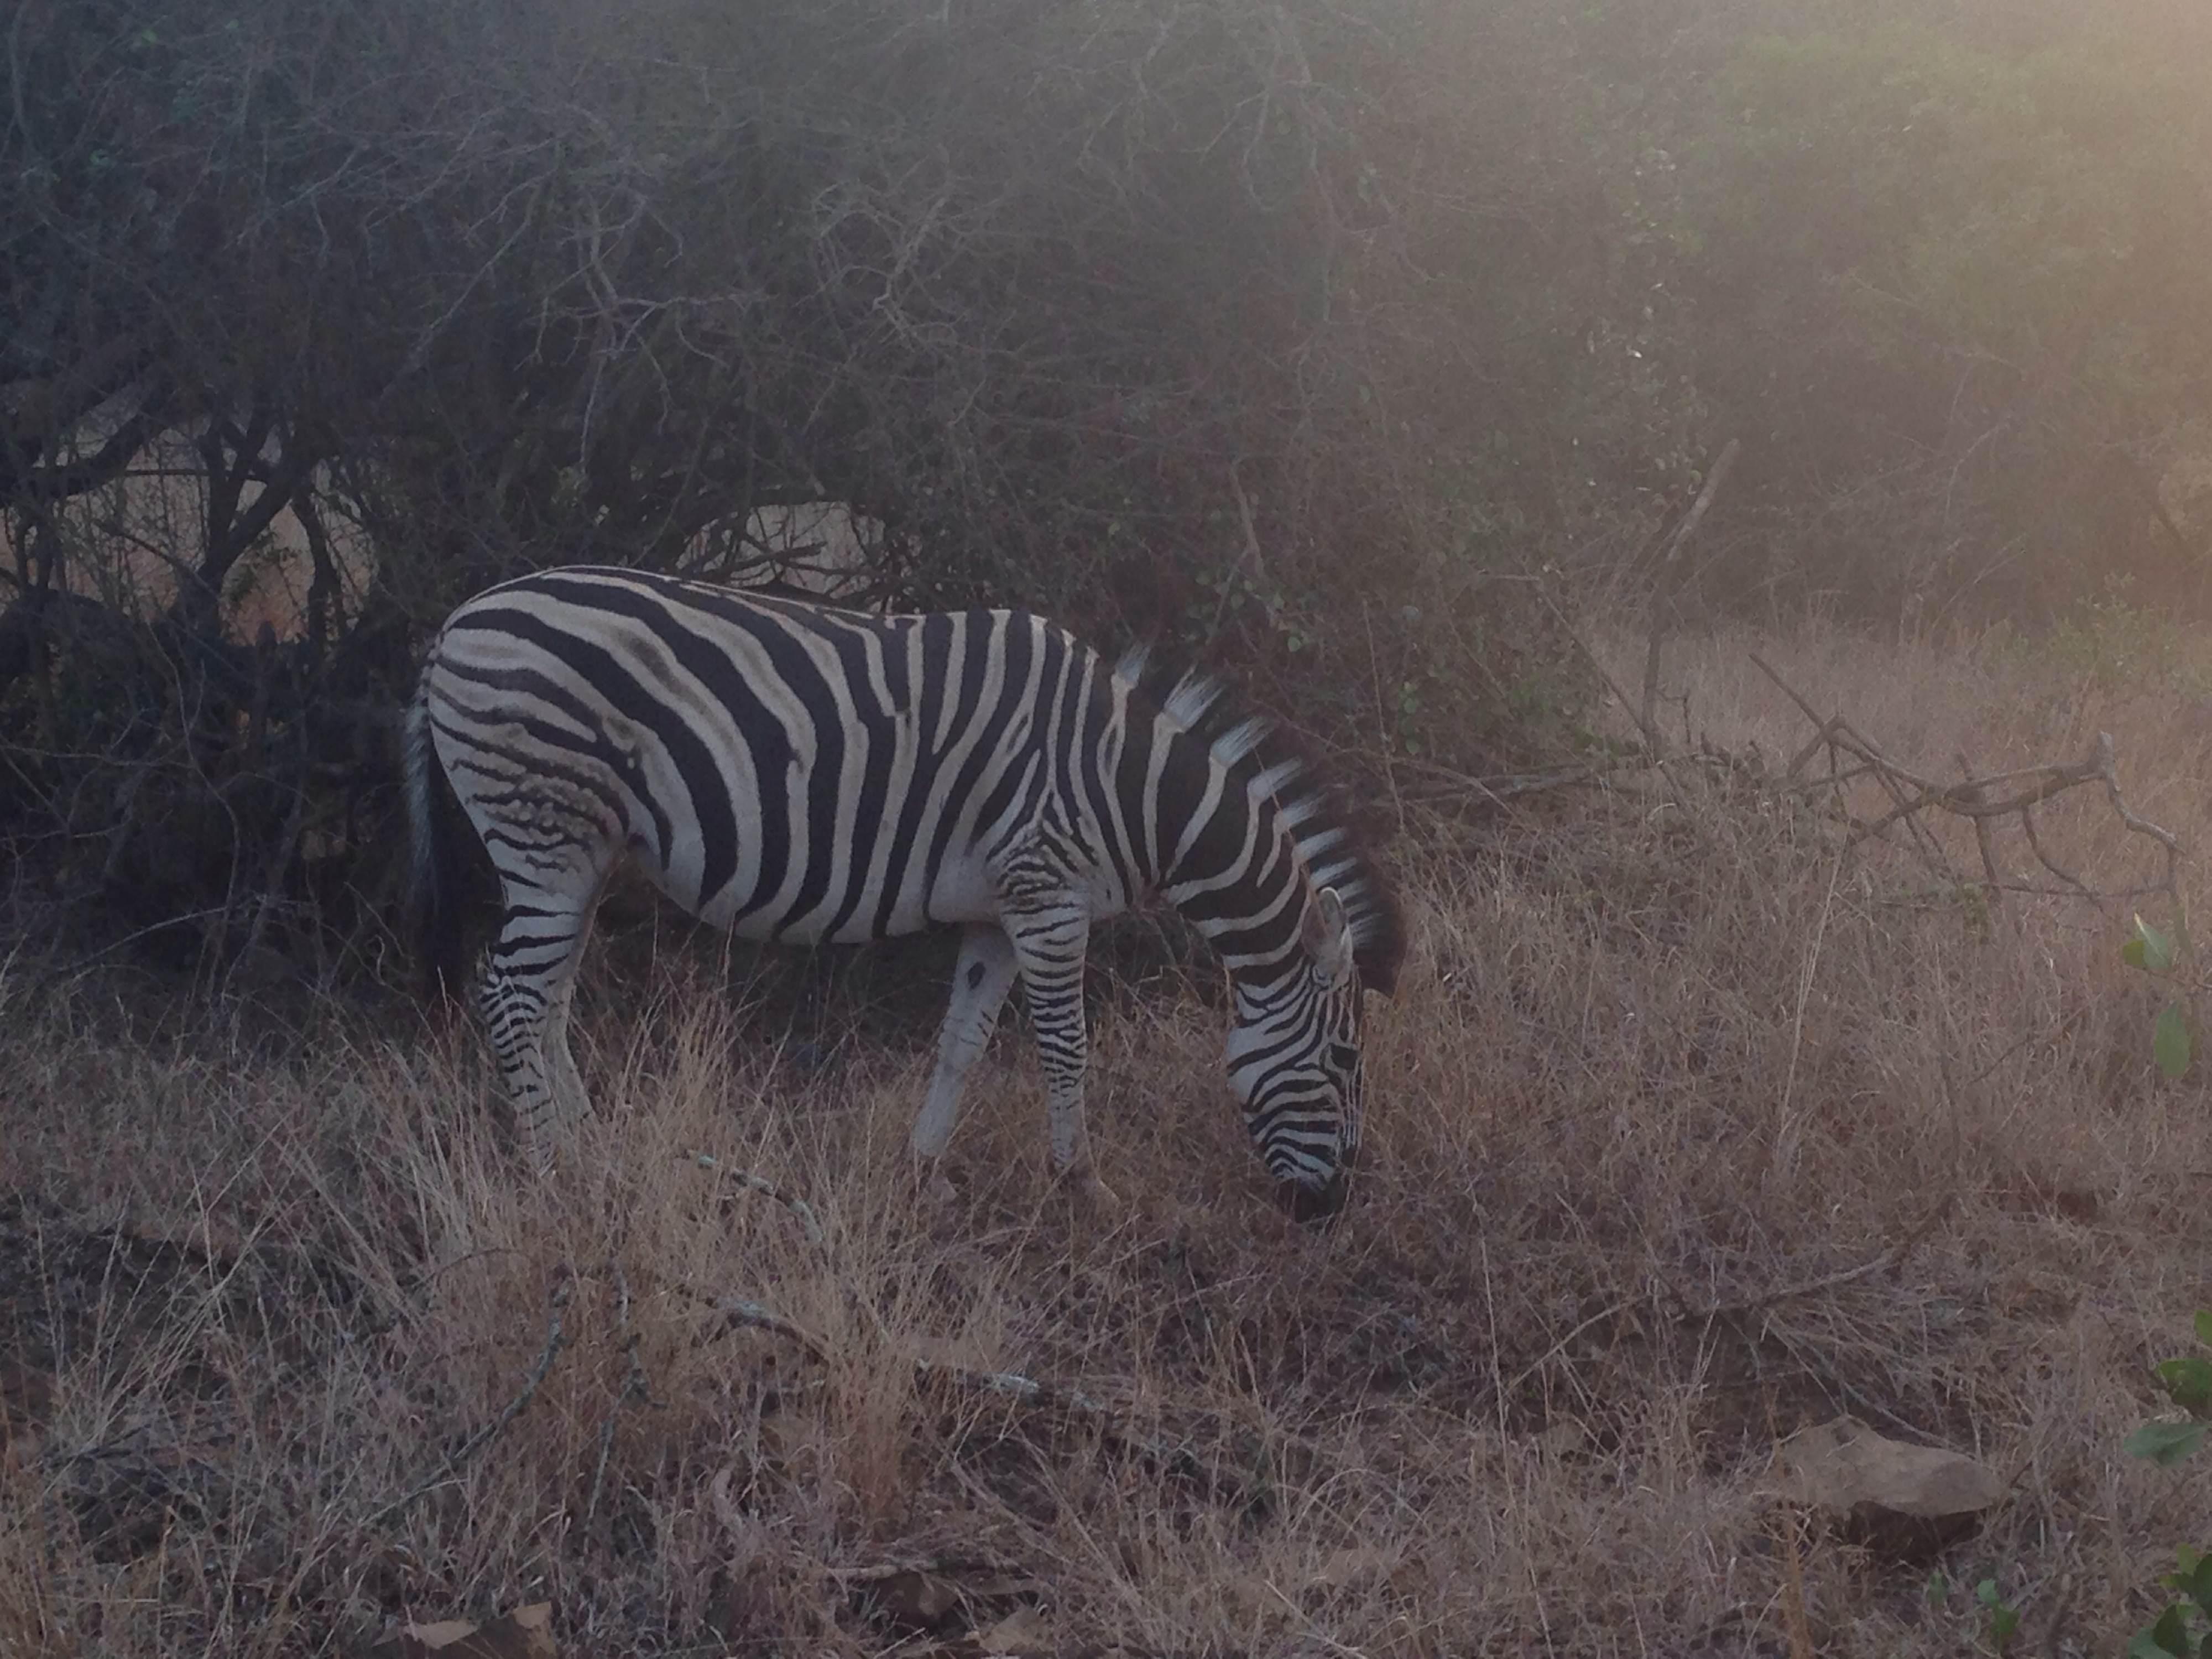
(1555, 415)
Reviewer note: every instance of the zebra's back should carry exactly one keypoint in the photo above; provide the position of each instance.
(786, 770)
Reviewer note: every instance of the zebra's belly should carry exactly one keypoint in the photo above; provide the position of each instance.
(848, 912)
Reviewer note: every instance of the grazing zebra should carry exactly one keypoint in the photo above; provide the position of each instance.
(790, 771)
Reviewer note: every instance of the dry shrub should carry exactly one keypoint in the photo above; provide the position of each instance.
(1657, 1067)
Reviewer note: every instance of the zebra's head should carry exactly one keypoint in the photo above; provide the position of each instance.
(1294, 1061)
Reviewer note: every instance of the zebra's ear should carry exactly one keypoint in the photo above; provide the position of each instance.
(1326, 932)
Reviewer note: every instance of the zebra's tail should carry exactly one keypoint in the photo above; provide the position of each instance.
(433, 885)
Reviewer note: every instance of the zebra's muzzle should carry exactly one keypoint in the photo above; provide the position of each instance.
(1308, 1204)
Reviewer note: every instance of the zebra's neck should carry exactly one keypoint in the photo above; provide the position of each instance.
(1235, 873)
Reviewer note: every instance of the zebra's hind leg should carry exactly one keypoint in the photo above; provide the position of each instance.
(980, 980)
(526, 995)
(1049, 946)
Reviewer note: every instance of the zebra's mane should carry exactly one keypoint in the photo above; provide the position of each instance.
(1255, 749)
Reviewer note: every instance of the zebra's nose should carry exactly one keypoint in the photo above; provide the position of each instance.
(1308, 1204)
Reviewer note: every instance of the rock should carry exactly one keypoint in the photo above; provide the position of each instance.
(1897, 1500)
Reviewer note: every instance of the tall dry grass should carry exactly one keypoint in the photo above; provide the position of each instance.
(1658, 1064)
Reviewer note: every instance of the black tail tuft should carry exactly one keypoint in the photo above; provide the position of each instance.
(434, 897)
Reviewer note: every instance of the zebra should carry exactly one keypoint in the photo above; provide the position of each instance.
(792, 771)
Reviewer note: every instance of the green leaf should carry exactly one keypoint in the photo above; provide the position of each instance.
(1937, 1591)
(2188, 1382)
(2169, 1635)
(2157, 947)
(2134, 955)
(2169, 1041)
(2194, 1578)
(2204, 1325)
(2165, 1443)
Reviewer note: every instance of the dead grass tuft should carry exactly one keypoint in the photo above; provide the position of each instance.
(1687, 1132)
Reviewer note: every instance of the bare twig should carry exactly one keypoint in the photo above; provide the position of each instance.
(2035, 845)
(742, 1312)
(762, 1184)
(1647, 712)
(1980, 801)
(938, 1566)
(556, 1302)
(634, 1386)
(2108, 770)
(1982, 844)
(1248, 557)
(1620, 697)
(1890, 1260)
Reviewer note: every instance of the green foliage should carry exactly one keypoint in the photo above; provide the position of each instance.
(2116, 642)
(2184, 1629)
(2159, 955)
(2169, 1041)
(1997, 1617)
(2001, 1619)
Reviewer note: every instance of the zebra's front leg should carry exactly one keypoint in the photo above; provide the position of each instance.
(1049, 946)
(980, 980)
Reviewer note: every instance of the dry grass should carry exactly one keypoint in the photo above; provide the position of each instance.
(1650, 1073)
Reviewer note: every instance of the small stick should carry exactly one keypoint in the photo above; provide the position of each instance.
(1892, 1257)
(2035, 845)
(2108, 770)
(760, 1183)
(474, 1442)
(741, 1312)
(1648, 711)
(634, 1386)
(941, 1567)
(1621, 697)
(1982, 844)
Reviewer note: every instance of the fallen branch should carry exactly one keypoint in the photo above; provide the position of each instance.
(937, 1566)
(1979, 801)
(741, 1313)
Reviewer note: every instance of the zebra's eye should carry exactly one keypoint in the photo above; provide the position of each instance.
(1341, 1058)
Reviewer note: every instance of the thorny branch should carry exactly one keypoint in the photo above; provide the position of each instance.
(1980, 801)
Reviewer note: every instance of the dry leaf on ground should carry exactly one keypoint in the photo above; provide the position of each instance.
(525, 1633)
(1023, 1632)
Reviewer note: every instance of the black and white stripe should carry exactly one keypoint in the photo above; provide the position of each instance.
(791, 771)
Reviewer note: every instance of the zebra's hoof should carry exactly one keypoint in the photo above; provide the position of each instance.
(932, 1186)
